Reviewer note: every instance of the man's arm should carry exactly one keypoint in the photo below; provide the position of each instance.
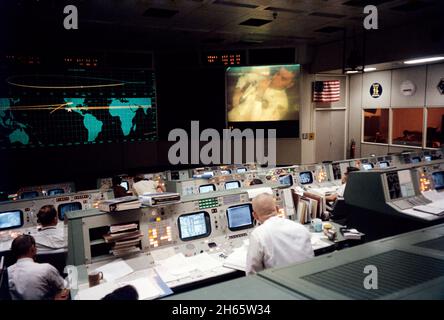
(57, 283)
(255, 256)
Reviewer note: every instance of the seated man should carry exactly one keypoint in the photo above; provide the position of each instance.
(118, 190)
(255, 181)
(29, 280)
(340, 192)
(49, 238)
(277, 241)
(142, 185)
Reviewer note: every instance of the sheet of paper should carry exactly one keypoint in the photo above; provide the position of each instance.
(176, 264)
(145, 286)
(115, 270)
(168, 277)
(434, 195)
(237, 259)
(162, 254)
(96, 292)
(253, 192)
(204, 262)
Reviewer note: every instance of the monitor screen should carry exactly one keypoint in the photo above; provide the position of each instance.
(367, 166)
(194, 225)
(207, 188)
(232, 185)
(53, 192)
(306, 177)
(384, 164)
(286, 180)
(240, 217)
(393, 185)
(66, 207)
(438, 180)
(125, 184)
(428, 158)
(416, 159)
(11, 219)
(406, 183)
(241, 170)
(224, 172)
(29, 194)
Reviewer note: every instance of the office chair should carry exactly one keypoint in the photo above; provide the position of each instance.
(57, 260)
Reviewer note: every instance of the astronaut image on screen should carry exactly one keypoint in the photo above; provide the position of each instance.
(263, 93)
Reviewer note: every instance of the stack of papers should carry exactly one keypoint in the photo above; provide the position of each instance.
(115, 270)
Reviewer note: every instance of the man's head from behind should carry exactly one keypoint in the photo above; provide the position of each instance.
(47, 216)
(23, 247)
(264, 207)
(117, 180)
(347, 173)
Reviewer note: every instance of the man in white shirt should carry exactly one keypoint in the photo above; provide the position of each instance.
(49, 238)
(277, 241)
(142, 186)
(29, 280)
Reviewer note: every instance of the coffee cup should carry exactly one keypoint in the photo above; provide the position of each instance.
(316, 225)
(94, 278)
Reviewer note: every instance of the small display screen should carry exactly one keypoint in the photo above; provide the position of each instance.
(438, 180)
(240, 217)
(383, 164)
(54, 192)
(286, 180)
(367, 166)
(406, 183)
(125, 184)
(428, 158)
(11, 219)
(224, 172)
(29, 195)
(207, 188)
(232, 185)
(416, 159)
(66, 207)
(194, 225)
(306, 177)
(241, 170)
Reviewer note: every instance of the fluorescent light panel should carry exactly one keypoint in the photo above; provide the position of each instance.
(424, 60)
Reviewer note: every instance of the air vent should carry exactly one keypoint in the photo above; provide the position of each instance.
(277, 9)
(329, 29)
(411, 6)
(327, 15)
(235, 4)
(397, 271)
(435, 244)
(254, 22)
(363, 3)
(159, 13)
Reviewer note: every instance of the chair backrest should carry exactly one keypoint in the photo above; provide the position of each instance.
(340, 211)
(4, 285)
(58, 260)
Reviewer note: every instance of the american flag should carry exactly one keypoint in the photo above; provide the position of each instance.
(326, 91)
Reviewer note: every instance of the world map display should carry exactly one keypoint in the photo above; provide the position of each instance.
(66, 110)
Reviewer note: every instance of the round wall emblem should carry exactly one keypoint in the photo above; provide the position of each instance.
(376, 90)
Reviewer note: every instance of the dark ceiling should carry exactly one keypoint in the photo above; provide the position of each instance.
(144, 24)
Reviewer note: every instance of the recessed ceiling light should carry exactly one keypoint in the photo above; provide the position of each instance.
(351, 71)
(369, 69)
(424, 60)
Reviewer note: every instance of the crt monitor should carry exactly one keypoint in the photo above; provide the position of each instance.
(66, 207)
(207, 188)
(286, 180)
(384, 164)
(241, 170)
(53, 192)
(29, 194)
(225, 172)
(125, 184)
(306, 177)
(240, 217)
(232, 185)
(428, 158)
(367, 166)
(11, 219)
(416, 159)
(194, 225)
(438, 180)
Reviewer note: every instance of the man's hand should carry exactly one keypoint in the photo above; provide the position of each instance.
(62, 295)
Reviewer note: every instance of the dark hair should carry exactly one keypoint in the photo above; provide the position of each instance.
(21, 245)
(138, 178)
(117, 180)
(46, 215)
(256, 181)
(127, 292)
(351, 169)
